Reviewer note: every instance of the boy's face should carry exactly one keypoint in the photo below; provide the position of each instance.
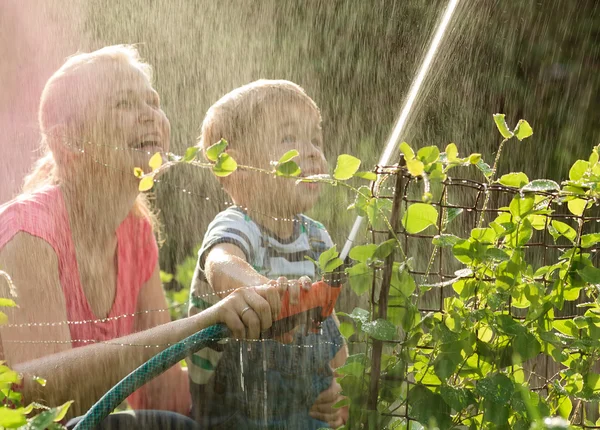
(283, 127)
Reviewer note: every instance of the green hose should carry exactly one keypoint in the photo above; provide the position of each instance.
(149, 370)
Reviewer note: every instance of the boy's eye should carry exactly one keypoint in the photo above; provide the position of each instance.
(289, 139)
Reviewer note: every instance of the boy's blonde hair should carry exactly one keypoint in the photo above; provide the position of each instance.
(61, 104)
(234, 116)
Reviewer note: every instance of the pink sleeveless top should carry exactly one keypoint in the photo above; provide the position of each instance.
(44, 215)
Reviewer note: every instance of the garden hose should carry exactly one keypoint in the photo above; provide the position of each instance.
(149, 370)
(315, 304)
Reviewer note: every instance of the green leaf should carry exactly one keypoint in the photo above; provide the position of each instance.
(289, 168)
(565, 406)
(457, 398)
(346, 167)
(515, 179)
(346, 329)
(224, 166)
(445, 240)
(567, 327)
(468, 251)
(496, 413)
(418, 217)
(428, 154)
(288, 156)
(380, 329)
(354, 368)
(590, 274)
(43, 420)
(405, 149)
(415, 167)
(485, 168)
(429, 408)
(538, 185)
(138, 173)
(358, 315)
(496, 388)
(502, 126)
(332, 265)
(146, 183)
(451, 152)
(7, 303)
(190, 154)
(402, 281)
(526, 346)
(521, 235)
(360, 277)
(523, 130)
(474, 158)
(578, 170)
(155, 161)
(452, 213)
(214, 151)
(577, 206)
(520, 207)
(496, 254)
(362, 252)
(327, 256)
(165, 277)
(62, 410)
(589, 240)
(39, 380)
(484, 235)
(564, 229)
(369, 176)
(12, 418)
(385, 249)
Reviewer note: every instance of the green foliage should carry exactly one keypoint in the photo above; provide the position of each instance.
(466, 364)
(13, 414)
(346, 167)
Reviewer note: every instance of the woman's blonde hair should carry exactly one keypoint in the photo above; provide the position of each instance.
(61, 103)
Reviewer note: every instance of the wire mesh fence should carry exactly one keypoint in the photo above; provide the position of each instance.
(464, 205)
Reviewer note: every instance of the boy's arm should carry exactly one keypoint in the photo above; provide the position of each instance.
(226, 268)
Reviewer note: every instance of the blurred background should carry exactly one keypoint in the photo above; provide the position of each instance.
(538, 60)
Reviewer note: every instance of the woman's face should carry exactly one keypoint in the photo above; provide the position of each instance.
(123, 124)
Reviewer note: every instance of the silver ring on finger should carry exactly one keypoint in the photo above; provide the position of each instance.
(246, 309)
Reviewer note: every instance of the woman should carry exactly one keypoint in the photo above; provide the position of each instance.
(79, 245)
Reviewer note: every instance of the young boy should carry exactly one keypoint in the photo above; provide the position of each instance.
(265, 237)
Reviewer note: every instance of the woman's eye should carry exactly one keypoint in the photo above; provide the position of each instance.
(288, 139)
(124, 103)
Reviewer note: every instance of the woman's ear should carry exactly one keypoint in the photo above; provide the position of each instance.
(62, 138)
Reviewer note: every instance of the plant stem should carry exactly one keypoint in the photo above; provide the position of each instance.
(383, 297)
(490, 180)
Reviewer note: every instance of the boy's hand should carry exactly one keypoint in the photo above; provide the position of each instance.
(293, 286)
(323, 409)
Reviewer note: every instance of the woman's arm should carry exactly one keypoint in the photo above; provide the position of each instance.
(84, 374)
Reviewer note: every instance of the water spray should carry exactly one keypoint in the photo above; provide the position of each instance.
(406, 109)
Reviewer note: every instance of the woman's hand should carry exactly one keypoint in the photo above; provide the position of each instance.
(323, 409)
(249, 311)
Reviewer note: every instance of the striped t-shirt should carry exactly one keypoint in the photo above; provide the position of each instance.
(272, 257)
(268, 254)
